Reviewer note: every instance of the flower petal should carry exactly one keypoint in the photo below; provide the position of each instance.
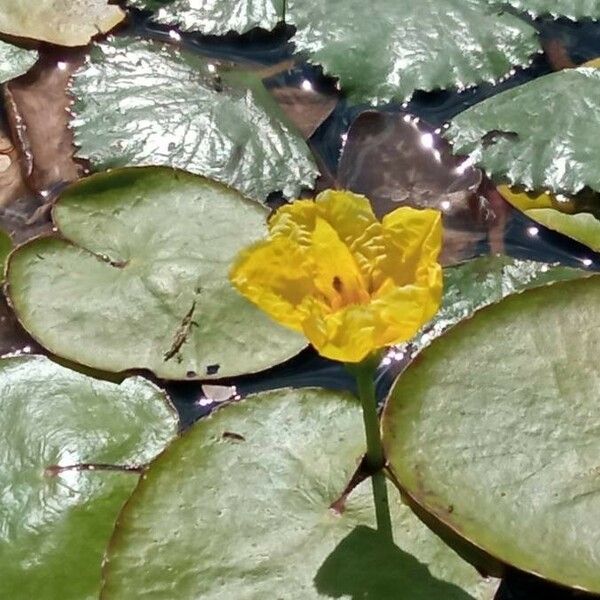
(274, 275)
(352, 333)
(414, 241)
(336, 273)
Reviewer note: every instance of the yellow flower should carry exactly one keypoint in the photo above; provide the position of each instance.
(350, 283)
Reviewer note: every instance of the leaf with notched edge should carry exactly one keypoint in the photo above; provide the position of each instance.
(144, 103)
(139, 278)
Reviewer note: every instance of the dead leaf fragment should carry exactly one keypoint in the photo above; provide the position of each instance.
(61, 22)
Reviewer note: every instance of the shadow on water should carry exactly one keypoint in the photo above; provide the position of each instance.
(367, 566)
(521, 586)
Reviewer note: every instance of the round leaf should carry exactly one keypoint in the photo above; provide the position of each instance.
(239, 508)
(143, 103)
(14, 61)
(141, 279)
(55, 522)
(388, 49)
(494, 431)
(62, 22)
(542, 135)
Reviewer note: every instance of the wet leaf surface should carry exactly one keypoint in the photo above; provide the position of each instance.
(542, 135)
(62, 22)
(558, 214)
(391, 48)
(142, 103)
(37, 107)
(14, 61)
(573, 9)
(379, 51)
(267, 529)
(55, 521)
(494, 431)
(140, 279)
(215, 17)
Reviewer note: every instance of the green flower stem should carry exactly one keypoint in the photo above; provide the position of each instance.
(375, 459)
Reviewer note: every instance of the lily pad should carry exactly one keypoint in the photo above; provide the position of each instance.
(494, 431)
(139, 278)
(266, 530)
(14, 61)
(380, 51)
(487, 280)
(62, 22)
(574, 9)
(144, 103)
(215, 17)
(55, 521)
(388, 49)
(542, 135)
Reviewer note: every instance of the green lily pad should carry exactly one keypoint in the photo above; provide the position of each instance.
(215, 17)
(62, 22)
(486, 280)
(388, 49)
(542, 135)
(14, 61)
(494, 431)
(54, 521)
(239, 508)
(574, 9)
(144, 103)
(583, 227)
(139, 279)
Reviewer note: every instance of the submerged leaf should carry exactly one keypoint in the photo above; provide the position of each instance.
(494, 432)
(487, 280)
(396, 160)
(14, 61)
(62, 22)
(543, 135)
(388, 49)
(55, 521)
(138, 278)
(267, 529)
(583, 227)
(142, 103)
(37, 109)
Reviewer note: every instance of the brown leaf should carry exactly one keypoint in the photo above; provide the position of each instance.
(396, 160)
(305, 106)
(37, 106)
